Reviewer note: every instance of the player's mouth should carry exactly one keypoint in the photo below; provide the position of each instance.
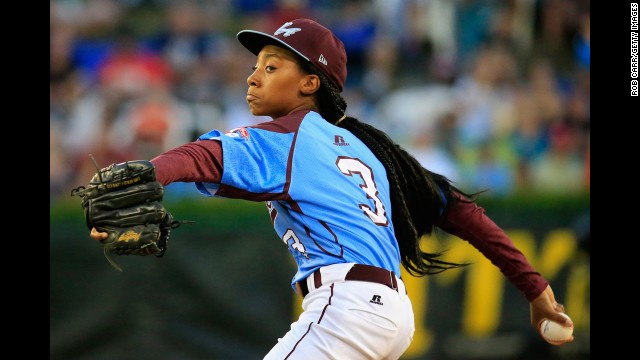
(251, 97)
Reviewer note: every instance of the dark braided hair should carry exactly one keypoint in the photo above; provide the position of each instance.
(417, 194)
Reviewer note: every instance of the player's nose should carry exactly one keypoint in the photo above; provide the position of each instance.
(252, 79)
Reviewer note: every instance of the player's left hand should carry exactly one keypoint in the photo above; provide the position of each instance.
(544, 307)
(124, 201)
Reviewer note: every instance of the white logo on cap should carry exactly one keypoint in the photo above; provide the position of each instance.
(287, 32)
(322, 59)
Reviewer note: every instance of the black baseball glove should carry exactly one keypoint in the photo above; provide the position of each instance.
(125, 201)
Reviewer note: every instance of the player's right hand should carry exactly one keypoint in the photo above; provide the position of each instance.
(544, 307)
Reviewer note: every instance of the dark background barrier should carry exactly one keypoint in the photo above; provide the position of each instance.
(222, 291)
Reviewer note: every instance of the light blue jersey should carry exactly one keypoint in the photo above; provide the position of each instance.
(327, 194)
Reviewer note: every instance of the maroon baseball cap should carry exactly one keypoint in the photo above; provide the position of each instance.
(314, 42)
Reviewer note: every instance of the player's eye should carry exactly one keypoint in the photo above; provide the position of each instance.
(268, 68)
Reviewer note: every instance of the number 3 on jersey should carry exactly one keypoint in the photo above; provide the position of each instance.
(350, 166)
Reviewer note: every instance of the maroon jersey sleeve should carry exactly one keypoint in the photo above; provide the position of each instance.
(196, 161)
(468, 221)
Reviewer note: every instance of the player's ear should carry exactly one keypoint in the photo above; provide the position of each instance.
(309, 84)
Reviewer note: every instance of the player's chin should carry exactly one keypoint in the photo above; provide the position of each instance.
(264, 111)
(254, 109)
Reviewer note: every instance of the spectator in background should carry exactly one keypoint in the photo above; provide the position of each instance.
(153, 122)
(576, 116)
(561, 169)
(130, 69)
(482, 93)
(473, 26)
(65, 81)
(529, 136)
(187, 46)
(356, 27)
(252, 7)
(544, 90)
(429, 152)
(582, 43)
(380, 70)
(577, 108)
(490, 173)
(127, 73)
(429, 42)
(92, 22)
(285, 10)
(192, 43)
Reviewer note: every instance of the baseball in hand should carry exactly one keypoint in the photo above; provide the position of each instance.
(554, 333)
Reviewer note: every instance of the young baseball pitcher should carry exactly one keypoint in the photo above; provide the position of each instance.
(347, 202)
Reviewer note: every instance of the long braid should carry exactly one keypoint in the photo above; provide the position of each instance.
(417, 194)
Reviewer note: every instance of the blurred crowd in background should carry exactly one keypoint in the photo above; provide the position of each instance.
(493, 94)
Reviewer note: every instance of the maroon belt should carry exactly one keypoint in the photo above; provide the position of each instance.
(358, 272)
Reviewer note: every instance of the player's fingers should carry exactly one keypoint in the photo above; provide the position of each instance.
(562, 319)
(96, 235)
(559, 307)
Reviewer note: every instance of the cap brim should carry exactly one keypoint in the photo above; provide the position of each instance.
(254, 41)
